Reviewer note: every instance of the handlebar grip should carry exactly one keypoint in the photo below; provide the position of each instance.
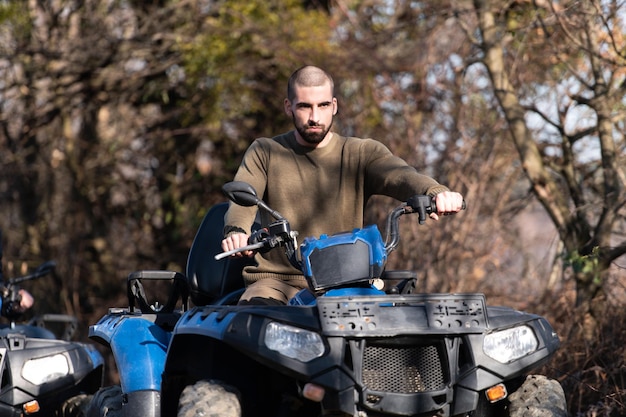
(424, 205)
(434, 206)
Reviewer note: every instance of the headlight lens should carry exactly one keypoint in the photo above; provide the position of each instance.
(510, 344)
(41, 370)
(294, 342)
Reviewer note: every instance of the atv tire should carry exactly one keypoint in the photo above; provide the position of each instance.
(538, 396)
(209, 398)
(75, 406)
(107, 402)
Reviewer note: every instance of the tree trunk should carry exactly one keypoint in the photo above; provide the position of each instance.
(573, 232)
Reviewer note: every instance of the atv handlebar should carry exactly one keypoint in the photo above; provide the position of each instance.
(43, 269)
(10, 290)
(423, 205)
(279, 232)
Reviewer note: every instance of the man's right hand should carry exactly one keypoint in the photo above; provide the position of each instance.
(236, 241)
(26, 300)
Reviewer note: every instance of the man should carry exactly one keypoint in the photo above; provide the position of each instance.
(319, 181)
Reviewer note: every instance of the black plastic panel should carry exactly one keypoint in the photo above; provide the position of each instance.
(340, 265)
(396, 314)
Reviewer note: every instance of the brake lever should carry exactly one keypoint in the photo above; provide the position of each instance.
(226, 254)
(422, 205)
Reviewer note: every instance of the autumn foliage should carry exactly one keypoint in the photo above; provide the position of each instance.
(120, 121)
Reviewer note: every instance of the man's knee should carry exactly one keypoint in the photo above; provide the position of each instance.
(260, 301)
(263, 292)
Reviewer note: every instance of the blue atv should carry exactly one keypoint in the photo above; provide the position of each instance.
(43, 373)
(359, 342)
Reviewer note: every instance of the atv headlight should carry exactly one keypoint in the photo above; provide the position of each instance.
(46, 369)
(294, 342)
(510, 344)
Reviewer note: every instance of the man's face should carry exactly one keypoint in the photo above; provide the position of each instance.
(312, 111)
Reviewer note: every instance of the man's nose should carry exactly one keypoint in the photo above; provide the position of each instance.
(314, 115)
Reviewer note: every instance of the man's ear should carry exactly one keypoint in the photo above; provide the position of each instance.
(335, 106)
(287, 106)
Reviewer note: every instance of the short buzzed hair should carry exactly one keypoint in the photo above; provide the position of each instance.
(308, 76)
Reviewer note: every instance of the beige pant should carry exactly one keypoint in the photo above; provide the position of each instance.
(272, 291)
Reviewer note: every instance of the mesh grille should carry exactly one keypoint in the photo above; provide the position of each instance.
(403, 370)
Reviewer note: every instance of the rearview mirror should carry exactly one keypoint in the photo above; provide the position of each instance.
(244, 194)
(241, 193)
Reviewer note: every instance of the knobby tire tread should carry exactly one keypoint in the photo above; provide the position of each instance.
(538, 396)
(107, 402)
(75, 406)
(209, 398)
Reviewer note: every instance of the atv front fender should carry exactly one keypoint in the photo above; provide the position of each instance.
(139, 347)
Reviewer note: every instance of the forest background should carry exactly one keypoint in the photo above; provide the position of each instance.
(121, 119)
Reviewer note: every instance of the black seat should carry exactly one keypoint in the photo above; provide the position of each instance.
(210, 280)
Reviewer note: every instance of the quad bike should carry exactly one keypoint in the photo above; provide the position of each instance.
(358, 343)
(43, 374)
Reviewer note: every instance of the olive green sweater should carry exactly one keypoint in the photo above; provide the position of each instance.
(318, 190)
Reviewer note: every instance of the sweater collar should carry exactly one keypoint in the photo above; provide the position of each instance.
(300, 149)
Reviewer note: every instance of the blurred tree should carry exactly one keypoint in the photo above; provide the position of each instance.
(405, 85)
(121, 120)
(565, 113)
(243, 57)
(88, 90)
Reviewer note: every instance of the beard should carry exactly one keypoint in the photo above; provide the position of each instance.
(312, 137)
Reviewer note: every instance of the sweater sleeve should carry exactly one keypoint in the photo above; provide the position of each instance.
(389, 175)
(239, 219)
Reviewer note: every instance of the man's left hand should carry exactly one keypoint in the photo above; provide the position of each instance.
(448, 202)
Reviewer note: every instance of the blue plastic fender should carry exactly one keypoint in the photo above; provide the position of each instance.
(139, 347)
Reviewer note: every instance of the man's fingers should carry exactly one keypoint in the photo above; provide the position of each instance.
(449, 202)
(236, 241)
